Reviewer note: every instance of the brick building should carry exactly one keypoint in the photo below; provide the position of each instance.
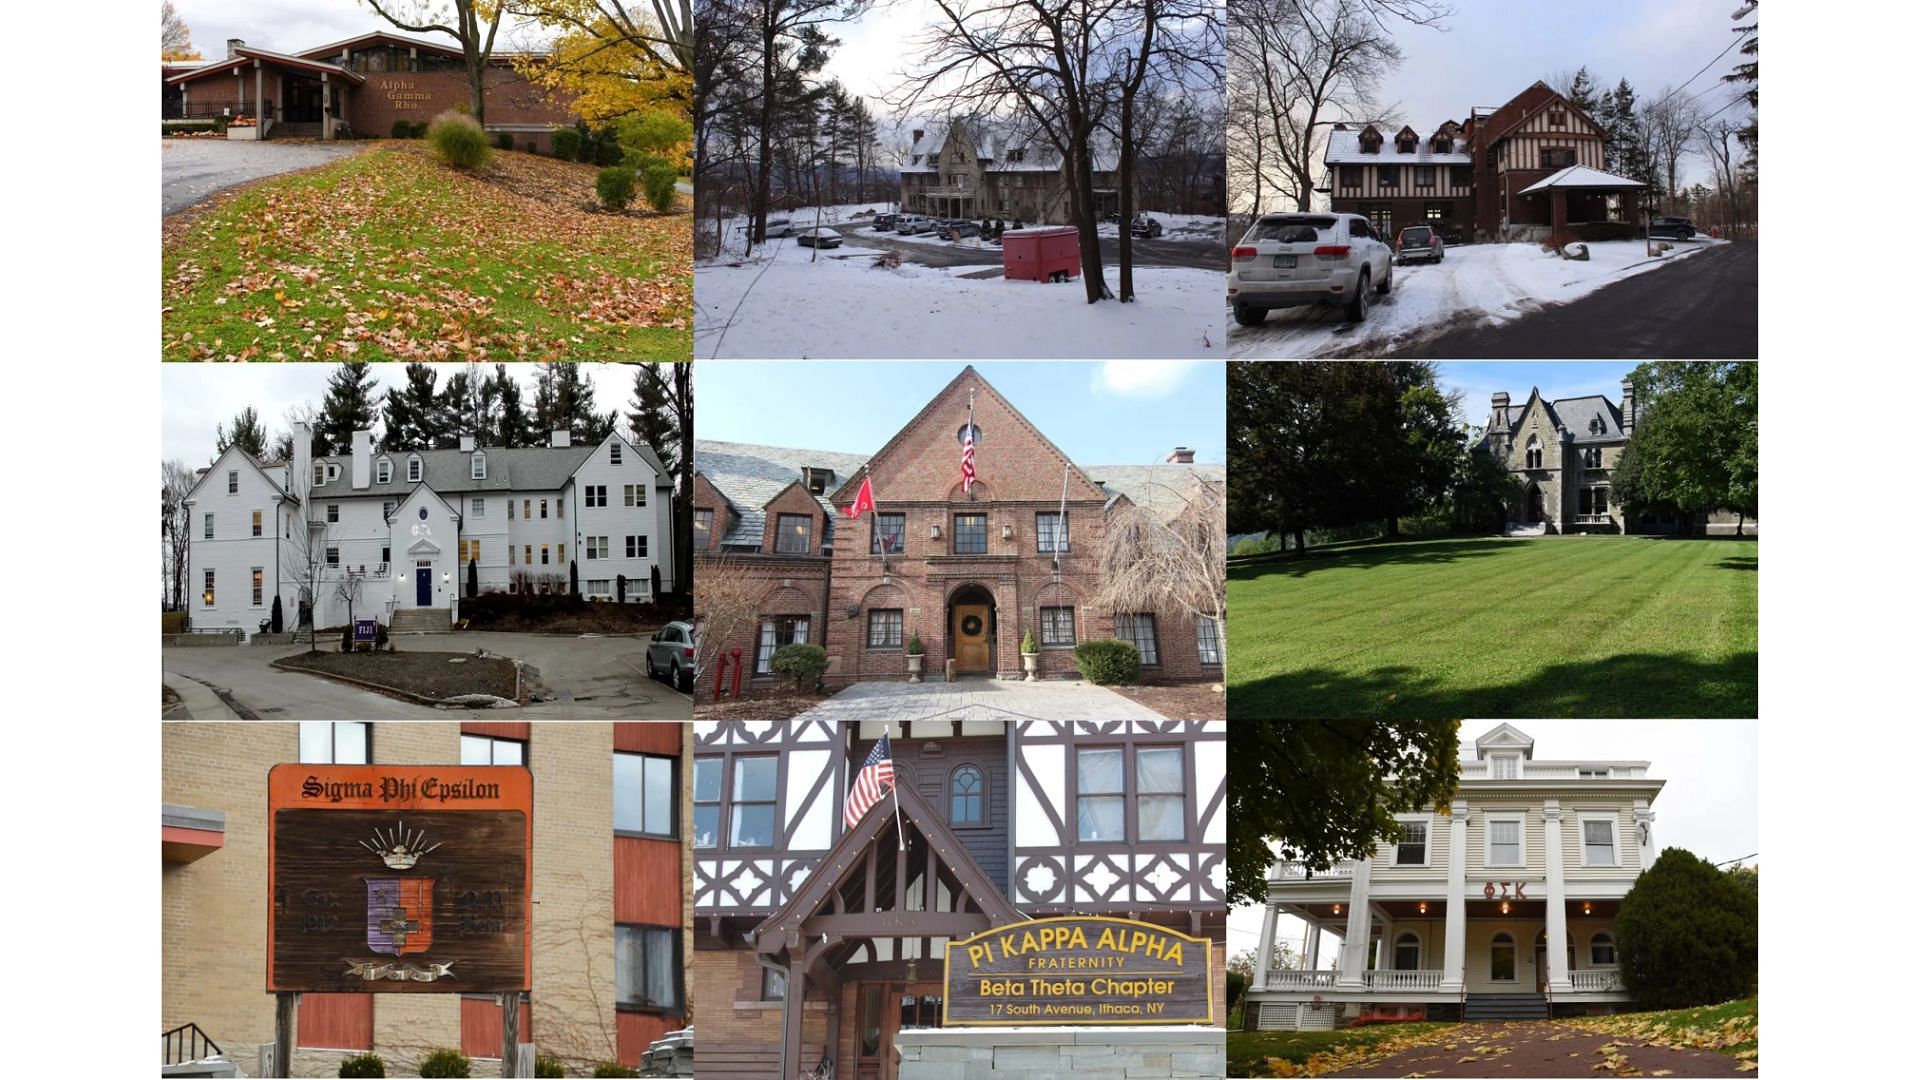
(980, 168)
(360, 86)
(969, 572)
(1536, 162)
(610, 918)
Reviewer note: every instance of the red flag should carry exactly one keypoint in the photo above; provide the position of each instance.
(863, 501)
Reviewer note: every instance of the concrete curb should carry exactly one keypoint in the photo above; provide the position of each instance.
(394, 691)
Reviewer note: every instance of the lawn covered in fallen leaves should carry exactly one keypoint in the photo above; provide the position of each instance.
(1732, 1028)
(1310, 1053)
(390, 255)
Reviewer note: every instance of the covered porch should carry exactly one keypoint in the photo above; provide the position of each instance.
(288, 95)
(1578, 195)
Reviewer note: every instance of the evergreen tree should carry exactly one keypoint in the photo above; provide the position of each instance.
(248, 434)
(1580, 92)
(1627, 151)
(652, 418)
(563, 400)
(1688, 934)
(416, 417)
(349, 407)
(512, 426)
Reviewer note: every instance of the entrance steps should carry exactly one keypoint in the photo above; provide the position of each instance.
(298, 131)
(1505, 1007)
(436, 620)
(1538, 529)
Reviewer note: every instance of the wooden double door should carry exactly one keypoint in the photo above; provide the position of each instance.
(973, 637)
(884, 1009)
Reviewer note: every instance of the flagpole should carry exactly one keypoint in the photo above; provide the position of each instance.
(1060, 531)
(897, 826)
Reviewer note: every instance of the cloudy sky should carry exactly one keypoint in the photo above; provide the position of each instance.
(292, 25)
(1710, 805)
(1117, 412)
(195, 399)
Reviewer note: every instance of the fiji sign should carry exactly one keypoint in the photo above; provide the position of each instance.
(1078, 971)
(399, 878)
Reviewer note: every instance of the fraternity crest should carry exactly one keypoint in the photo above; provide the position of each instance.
(399, 915)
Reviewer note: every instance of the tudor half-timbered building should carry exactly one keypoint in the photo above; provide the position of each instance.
(816, 940)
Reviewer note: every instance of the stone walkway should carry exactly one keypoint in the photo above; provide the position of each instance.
(978, 699)
(1542, 1049)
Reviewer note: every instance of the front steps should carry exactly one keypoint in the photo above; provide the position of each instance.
(421, 621)
(1505, 1007)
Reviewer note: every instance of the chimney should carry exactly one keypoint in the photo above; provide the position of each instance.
(302, 477)
(1339, 127)
(234, 45)
(1180, 456)
(561, 439)
(1626, 407)
(466, 444)
(362, 459)
(1500, 404)
(918, 134)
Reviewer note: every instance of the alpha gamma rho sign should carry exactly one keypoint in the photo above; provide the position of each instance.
(399, 878)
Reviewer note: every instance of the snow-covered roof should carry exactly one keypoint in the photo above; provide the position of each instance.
(1582, 176)
(1343, 148)
(995, 142)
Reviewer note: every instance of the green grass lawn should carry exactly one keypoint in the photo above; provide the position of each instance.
(1488, 628)
(1248, 1050)
(1731, 1028)
(391, 255)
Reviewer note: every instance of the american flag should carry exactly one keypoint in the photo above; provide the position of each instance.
(872, 783)
(966, 457)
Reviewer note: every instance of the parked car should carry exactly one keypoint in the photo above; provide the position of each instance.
(1146, 226)
(884, 222)
(1672, 228)
(913, 224)
(954, 230)
(1422, 242)
(822, 237)
(670, 653)
(1296, 259)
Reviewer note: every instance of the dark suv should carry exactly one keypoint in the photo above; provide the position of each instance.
(1421, 242)
(1671, 228)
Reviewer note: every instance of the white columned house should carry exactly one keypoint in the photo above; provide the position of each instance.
(1498, 905)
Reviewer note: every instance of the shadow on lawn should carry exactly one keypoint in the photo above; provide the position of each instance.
(1634, 685)
(1390, 553)
(1739, 562)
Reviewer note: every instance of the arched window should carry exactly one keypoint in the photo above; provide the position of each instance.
(1406, 951)
(1501, 958)
(1601, 949)
(967, 796)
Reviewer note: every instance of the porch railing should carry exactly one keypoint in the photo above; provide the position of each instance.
(1298, 871)
(1596, 980)
(1301, 980)
(200, 110)
(1401, 980)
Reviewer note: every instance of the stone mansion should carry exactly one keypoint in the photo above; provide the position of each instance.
(415, 531)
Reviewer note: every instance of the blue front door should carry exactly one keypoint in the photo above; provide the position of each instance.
(423, 586)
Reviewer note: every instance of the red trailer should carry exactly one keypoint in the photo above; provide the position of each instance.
(1042, 253)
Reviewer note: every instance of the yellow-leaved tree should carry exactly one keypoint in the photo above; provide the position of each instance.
(621, 67)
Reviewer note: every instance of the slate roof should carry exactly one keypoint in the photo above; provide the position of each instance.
(992, 139)
(1577, 416)
(527, 468)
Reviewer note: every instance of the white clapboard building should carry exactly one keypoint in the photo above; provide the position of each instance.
(394, 531)
(1498, 906)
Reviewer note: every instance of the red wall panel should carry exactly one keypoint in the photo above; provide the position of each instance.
(499, 729)
(480, 1026)
(646, 881)
(637, 1029)
(335, 1021)
(641, 738)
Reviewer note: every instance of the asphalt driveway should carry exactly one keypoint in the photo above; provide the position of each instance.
(192, 169)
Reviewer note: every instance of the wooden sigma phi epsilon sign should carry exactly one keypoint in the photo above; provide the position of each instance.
(1077, 971)
(399, 878)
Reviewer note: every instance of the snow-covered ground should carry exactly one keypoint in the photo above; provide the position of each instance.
(1179, 226)
(1484, 283)
(782, 305)
(859, 216)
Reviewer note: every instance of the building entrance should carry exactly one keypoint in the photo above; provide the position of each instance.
(886, 1008)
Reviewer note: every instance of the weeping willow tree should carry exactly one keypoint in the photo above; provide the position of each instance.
(1169, 551)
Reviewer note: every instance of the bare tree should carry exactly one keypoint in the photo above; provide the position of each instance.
(726, 605)
(175, 38)
(303, 550)
(1672, 125)
(1718, 139)
(670, 388)
(780, 25)
(474, 25)
(176, 523)
(1169, 552)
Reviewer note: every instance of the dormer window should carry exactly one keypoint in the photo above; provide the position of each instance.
(413, 469)
(1506, 766)
(613, 453)
(319, 473)
(479, 466)
(1016, 156)
(1370, 140)
(816, 480)
(333, 472)
(383, 471)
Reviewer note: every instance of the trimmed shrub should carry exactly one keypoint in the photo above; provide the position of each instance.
(446, 1062)
(616, 187)
(914, 648)
(806, 663)
(503, 140)
(1688, 934)
(614, 1068)
(459, 141)
(1236, 989)
(402, 129)
(607, 150)
(420, 128)
(566, 144)
(1027, 646)
(1108, 660)
(660, 180)
(363, 1065)
(173, 622)
(657, 133)
(546, 1066)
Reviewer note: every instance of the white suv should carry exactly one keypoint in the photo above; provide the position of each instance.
(1296, 259)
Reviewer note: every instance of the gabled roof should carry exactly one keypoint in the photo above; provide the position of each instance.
(1504, 737)
(334, 47)
(1555, 98)
(1592, 418)
(662, 480)
(993, 140)
(250, 460)
(1583, 177)
(244, 55)
(749, 477)
(526, 468)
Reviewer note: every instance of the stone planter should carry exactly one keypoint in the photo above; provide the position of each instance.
(914, 661)
(1031, 662)
(250, 133)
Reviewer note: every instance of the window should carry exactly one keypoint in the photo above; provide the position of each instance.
(1389, 176)
(386, 556)
(1406, 952)
(773, 984)
(206, 594)
(526, 509)
(1350, 176)
(883, 628)
(1139, 630)
(635, 495)
(755, 779)
(206, 527)
(1050, 528)
(233, 481)
(1597, 841)
(1462, 176)
(597, 495)
(1557, 118)
(1505, 844)
(479, 507)
(643, 794)
(775, 632)
(469, 551)
(636, 547)
(1590, 457)
(792, 534)
(1535, 455)
(1601, 949)
(336, 742)
(889, 534)
(1555, 157)
(413, 469)
(510, 516)
(486, 750)
(479, 467)
(333, 556)
(546, 558)
(383, 471)
(596, 547)
(543, 509)
(613, 453)
(387, 508)
(259, 586)
(333, 513)
(526, 554)
(702, 527)
(1506, 767)
(967, 796)
(1423, 176)
(1501, 957)
(256, 523)
(647, 966)
(1160, 783)
(1436, 214)
(706, 802)
(1412, 848)
(969, 534)
(319, 473)
(1595, 774)
(1207, 628)
(1102, 806)
(1056, 627)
